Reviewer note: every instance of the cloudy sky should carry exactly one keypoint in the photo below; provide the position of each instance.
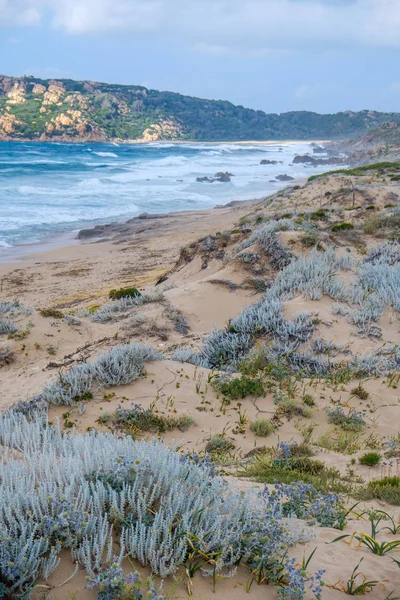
(275, 55)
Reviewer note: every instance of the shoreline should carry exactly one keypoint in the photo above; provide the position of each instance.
(63, 246)
(167, 142)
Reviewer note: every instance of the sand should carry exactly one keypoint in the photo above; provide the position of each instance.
(194, 280)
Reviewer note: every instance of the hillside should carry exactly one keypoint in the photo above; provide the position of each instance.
(68, 110)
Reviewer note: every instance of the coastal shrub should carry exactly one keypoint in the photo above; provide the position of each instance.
(370, 459)
(223, 348)
(262, 427)
(114, 585)
(7, 326)
(70, 385)
(302, 501)
(352, 421)
(123, 304)
(313, 276)
(342, 227)
(121, 365)
(92, 493)
(6, 356)
(131, 292)
(14, 308)
(179, 320)
(138, 418)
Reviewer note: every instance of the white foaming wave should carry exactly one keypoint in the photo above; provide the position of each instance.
(106, 154)
(158, 145)
(4, 244)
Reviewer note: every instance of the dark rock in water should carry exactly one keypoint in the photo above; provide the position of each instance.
(204, 180)
(224, 177)
(268, 162)
(318, 149)
(220, 176)
(306, 159)
(284, 178)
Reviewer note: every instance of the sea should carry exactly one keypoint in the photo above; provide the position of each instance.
(48, 189)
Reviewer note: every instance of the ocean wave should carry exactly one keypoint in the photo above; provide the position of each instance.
(106, 154)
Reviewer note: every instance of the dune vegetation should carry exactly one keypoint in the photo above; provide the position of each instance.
(227, 425)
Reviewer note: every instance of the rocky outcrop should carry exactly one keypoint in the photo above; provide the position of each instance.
(165, 130)
(8, 125)
(220, 176)
(306, 159)
(268, 162)
(284, 178)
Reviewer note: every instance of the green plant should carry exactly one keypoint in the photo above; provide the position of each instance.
(360, 392)
(342, 227)
(378, 548)
(124, 293)
(310, 238)
(358, 584)
(51, 312)
(136, 419)
(51, 350)
(370, 459)
(262, 427)
(241, 387)
(218, 443)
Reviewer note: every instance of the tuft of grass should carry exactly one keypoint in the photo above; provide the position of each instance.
(290, 407)
(218, 444)
(130, 292)
(309, 239)
(262, 427)
(360, 392)
(51, 313)
(241, 387)
(370, 459)
(342, 226)
(136, 419)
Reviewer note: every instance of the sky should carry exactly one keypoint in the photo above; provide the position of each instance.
(274, 55)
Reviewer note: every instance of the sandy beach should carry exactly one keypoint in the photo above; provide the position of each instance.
(194, 261)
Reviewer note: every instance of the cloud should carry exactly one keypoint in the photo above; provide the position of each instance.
(223, 27)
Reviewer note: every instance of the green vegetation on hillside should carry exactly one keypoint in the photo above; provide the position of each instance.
(32, 108)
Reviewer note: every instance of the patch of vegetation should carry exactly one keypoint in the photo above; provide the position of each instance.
(352, 421)
(136, 419)
(318, 215)
(386, 489)
(218, 444)
(262, 427)
(370, 459)
(309, 239)
(6, 356)
(131, 292)
(342, 227)
(241, 387)
(359, 171)
(52, 313)
(360, 392)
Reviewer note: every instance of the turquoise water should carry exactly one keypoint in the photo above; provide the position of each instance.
(47, 188)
